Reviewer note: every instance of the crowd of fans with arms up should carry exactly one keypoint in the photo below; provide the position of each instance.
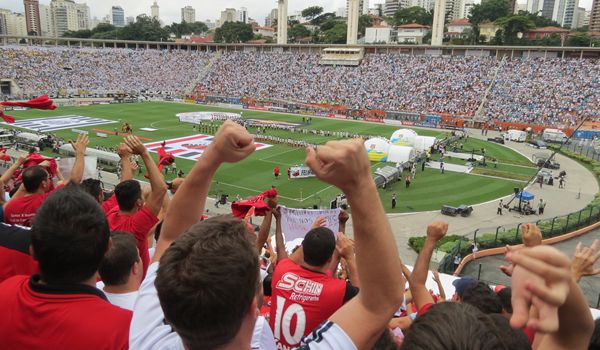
(140, 270)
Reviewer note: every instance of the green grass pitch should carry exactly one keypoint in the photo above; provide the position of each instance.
(429, 191)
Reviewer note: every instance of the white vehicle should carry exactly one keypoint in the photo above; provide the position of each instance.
(554, 135)
(516, 135)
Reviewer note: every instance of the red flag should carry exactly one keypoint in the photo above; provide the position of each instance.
(41, 102)
(164, 158)
(240, 209)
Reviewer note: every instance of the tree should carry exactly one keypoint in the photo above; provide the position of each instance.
(337, 34)
(103, 27)
(145, 28)
(488, 11)
(184, 28)
(413, 14)
(83, 34)
(317, 21)
(311, 12)
(298, 32)
(513, 25)
(538, 20)
(329, 24)
(364, 22)
(234, 32)
(579, 39)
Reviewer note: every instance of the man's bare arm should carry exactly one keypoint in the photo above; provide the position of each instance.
(345, 164)
(231, 144)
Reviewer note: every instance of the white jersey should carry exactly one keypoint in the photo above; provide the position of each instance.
(148, 330)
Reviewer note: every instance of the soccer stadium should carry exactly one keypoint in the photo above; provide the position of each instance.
(275, 196)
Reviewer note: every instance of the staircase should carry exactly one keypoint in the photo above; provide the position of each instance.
(204, 72)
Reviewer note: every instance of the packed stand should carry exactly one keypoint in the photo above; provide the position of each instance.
(50, 70)
(553, 91)
(382, 81)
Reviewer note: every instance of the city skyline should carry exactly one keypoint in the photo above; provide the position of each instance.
(204, 11)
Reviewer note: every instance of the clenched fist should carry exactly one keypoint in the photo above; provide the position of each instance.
(232, 143)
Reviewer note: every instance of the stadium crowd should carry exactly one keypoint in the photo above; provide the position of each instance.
(142, 270)
(549, 91)
(40, 70)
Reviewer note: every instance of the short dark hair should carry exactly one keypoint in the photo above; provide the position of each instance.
(505, 296)
(595, 341)
(33, 177)
(318, 245)
(69, 236)
(120, 258)
(128, 192)
(450, 326)
(207, 280)
(482, 297)
(515, 339)
(93, 187)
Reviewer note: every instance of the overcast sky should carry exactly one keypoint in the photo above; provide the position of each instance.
(170, 10)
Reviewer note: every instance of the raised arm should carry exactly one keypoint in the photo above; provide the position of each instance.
(542, 277)
(124, 153)
(345, 164)
(79, 147)
(584, 260)
(8, 174)
(438, 281)
(345, 249)
(157, 181)
(420, 294)
(231, 144)
(280, 243)
(263, 232)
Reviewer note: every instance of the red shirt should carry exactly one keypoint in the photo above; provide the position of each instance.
(14, 263)
(110, 204)
(36, 316)
(301, 300)
(22, 210)
(138, 224)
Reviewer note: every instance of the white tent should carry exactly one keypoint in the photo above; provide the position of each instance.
(404, 137)
(423, 143)
(378, 149)
(401, 154)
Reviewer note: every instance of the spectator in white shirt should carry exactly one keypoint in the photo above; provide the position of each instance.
(121, 271)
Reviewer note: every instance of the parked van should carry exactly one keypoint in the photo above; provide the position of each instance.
(516, 135)
(554, 135)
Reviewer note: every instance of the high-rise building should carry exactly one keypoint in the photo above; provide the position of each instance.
(390, 7)
(228, 15)
(342, 12)
(569, 17)
(64, 16)
(586, 19)
(594, 21)
(117, 16)
(580, 18)
(243, 15)
(130, 20)
(454, 9)
(188, 14)
(3, 26)
(46, 23)
(83, 16)
(363, 6)
(551, 9)
(32, 16)
(12, 23)
(520, 7)
(271, 18)
(426, 4)
(465, 10)
(154, 11)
